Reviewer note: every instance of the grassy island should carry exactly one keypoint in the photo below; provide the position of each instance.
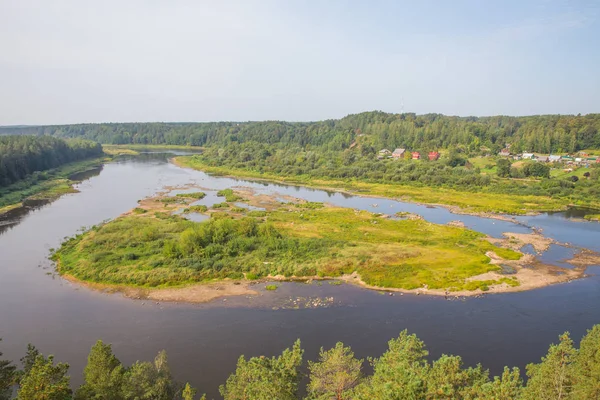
(155, 248)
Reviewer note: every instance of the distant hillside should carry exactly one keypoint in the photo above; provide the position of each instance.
(543, 133)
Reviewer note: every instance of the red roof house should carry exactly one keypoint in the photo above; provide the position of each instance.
(433, 155)
(416, 155)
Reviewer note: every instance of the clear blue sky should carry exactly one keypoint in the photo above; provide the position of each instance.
(67, 61)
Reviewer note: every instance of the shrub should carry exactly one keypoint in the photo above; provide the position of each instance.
(195, 195)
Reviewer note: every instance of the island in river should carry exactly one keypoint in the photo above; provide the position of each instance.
(155, 251)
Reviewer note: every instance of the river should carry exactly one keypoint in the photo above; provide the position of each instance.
(204, 341)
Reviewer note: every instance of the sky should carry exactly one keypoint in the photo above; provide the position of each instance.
(72, 61)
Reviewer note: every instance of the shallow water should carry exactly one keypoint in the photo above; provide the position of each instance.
(204, 341)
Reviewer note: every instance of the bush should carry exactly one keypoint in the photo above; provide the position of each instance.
(195, 195)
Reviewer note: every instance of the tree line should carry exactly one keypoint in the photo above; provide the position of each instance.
(541, 133)
(402, 372)
(453, 171)
(22, 155)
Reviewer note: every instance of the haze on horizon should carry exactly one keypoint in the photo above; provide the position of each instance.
(70, 61)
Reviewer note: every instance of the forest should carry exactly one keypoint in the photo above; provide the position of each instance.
(404, 371)
(542, 133)
(21, 156)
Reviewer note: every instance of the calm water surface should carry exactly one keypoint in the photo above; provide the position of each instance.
(204, 341)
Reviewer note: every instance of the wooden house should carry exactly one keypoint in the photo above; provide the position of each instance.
(399, 153)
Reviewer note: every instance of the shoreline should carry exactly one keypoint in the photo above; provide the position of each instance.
(54, 191)
(454, 209)
(527, 271)
(208, 292)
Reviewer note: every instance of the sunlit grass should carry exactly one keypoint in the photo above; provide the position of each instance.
(142, 251)
(467, 201)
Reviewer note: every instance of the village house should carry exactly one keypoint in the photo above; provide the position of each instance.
(541, 158)
(528, 156)
(554, 159)
(504, 153)
(416, 155)
(398, 153)
(433, 155)
(383, 153)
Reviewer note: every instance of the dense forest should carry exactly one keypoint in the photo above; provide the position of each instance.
(21, 156)
(543, 133)
(404, 371)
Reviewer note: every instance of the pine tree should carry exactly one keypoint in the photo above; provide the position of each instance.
(552, 378)
(335, 374)
(7, 378)
(587, 366)
(103, 375)
(45, 381)
(263, 378)
(400, 373)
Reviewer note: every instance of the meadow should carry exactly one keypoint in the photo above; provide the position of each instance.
(156, 249)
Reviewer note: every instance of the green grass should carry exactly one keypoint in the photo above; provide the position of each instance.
(195, 195)
(47, 185)
(229, 195)
(172, 200)
(487, 165)
(310, 205)
(138, 250)
(466, 201)
(197, 209)
(271, 287)
(592, 217)
(138, 210)
(220, 205)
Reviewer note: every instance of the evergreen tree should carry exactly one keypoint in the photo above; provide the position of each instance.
(149, 381)
(189, 393)
(400, 373)
(45, 381)
(335, 374)
(506, 387)
(263, 378)
(447, 380)
(7, 377)
(552, 378)
(103, 375)
(586, 371)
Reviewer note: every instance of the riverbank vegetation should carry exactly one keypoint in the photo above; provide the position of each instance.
(46, 185)
(39, 167)
(485, 200)
(155, 249)
(344, 153)
(403, 371)
(21, 156)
